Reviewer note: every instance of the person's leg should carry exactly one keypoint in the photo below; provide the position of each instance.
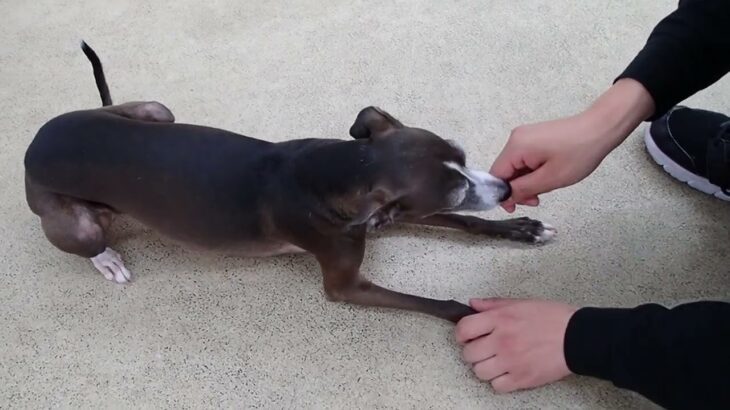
(693, 146)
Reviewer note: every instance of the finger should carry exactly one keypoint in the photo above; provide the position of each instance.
(530, 185)
(479, 349)
(489, 369)
(509, 206)
(480, 305)
(505, 383)
(473, 326)
(534, 201)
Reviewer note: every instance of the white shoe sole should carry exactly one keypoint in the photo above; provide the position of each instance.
(677, 171)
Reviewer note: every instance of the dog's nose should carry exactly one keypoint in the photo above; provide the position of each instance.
(507, 192)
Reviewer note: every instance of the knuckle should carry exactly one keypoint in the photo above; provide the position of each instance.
(468, 328)
(466, 354)
(505, 345)
(481, 372)
(461, 331)
(508, 345)
(501, 317)
(501, 386)
(520, 134)
(517, 132)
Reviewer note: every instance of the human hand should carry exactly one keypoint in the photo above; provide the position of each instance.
(515, 344)
(539, 158)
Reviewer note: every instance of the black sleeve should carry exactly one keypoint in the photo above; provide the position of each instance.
(678, 358)
(686, 52)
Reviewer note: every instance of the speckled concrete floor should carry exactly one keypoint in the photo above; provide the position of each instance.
(200, 330)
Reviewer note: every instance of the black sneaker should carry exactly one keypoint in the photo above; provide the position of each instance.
(694, 147)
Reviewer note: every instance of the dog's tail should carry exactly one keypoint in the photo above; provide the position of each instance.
(106, 98)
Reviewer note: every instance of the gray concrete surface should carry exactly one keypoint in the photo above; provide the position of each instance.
(200, 330)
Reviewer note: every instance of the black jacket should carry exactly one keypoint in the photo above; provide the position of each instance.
(680, 357)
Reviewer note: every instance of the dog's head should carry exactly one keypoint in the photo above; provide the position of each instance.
(422, 173)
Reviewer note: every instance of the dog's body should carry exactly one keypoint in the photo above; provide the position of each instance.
(221, 190)
(210, 187)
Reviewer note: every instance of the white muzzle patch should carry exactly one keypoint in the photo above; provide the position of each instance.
(483, 192)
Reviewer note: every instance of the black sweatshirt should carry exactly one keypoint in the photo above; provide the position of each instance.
(680, 357)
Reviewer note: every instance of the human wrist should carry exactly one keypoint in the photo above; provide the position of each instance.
(588, 340)
(618, 111)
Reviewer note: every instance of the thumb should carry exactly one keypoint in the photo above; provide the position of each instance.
(480, 305)
(529, 186)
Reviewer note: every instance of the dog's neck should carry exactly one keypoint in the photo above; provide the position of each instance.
(336, 176)
(336, 168)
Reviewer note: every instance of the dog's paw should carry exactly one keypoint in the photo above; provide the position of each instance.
(110, 264)
(547, 233)
(529, 230)
(381, 219)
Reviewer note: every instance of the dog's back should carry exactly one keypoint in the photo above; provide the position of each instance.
(150, 170)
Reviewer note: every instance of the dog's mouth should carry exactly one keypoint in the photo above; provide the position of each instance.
(482, 191)
(480, 197)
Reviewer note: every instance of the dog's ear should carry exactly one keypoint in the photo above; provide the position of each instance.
(370, 204)
(372, 122)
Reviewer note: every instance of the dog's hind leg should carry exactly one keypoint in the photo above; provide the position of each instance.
(152, 111)
(78, 227)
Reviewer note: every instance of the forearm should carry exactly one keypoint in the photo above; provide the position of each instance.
(676, 357)
(686, 52)
(618, 111)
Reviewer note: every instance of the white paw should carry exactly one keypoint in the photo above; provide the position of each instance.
(110, 264)
(546, 234)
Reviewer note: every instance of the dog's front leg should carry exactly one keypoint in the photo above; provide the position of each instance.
(342, 282)
(517, 229)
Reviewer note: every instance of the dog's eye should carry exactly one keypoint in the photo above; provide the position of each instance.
(459, 155)
(460, 159)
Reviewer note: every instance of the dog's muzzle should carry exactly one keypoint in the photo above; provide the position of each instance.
(483, 191)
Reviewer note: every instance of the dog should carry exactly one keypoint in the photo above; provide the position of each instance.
(224, 191)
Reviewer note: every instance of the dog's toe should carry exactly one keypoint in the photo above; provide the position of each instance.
(530, 230)
(110, 264)
(545, 233)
